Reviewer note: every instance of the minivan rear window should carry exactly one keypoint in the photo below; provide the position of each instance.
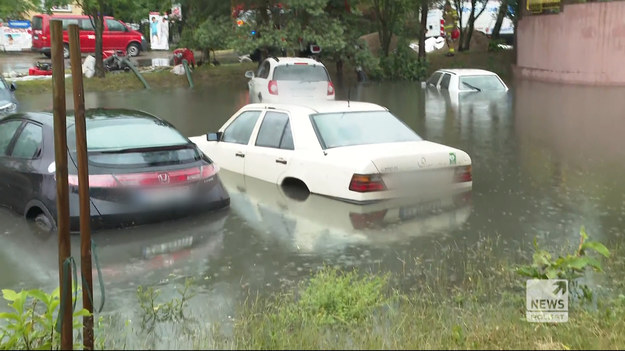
(37, 23)
(305, 73)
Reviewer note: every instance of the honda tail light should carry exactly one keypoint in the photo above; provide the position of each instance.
(273, 87)
(364, 183)
(95, 181)
(463, 174)
(330, 88)
(148, 179)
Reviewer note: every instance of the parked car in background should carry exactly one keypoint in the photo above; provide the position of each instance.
(141, 169)
(354, 151)
(470, 88)
(116, 36)
(286, 78)
(462, 80)
(8, 103)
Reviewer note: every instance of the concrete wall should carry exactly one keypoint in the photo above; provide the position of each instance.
(584, 44)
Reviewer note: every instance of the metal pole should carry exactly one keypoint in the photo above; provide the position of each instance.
(83, 185)
(62, 192)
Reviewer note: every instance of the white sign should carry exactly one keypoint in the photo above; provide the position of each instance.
(15, 39)
(547, 300)
(159, 31)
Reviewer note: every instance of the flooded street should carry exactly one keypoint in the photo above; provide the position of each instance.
(547, 159)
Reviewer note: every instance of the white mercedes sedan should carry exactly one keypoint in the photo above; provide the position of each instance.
(354, 151)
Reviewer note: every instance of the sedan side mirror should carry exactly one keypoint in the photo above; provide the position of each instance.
(249, 74)
(214, 136)
(13, 86)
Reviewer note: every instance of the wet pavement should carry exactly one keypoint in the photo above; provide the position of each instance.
(547, 159)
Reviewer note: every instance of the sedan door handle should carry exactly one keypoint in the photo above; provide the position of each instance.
(281, 160)
(239, 154)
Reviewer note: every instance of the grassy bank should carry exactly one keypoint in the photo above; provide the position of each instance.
(464, 298)
(157, 79)
(233, 73)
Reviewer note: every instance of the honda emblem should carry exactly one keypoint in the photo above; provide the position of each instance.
(163, 178)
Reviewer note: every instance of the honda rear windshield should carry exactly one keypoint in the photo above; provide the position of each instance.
(302, 73)
(360, 128)
(137, 142)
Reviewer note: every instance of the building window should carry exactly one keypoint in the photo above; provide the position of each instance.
(61, 8)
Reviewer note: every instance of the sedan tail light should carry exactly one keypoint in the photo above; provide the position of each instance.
(273, 87)
(364, 183)
(463, 174)
(330, 88)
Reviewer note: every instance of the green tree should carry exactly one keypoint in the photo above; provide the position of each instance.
(16, 9)
(389, 16)
(467, 32)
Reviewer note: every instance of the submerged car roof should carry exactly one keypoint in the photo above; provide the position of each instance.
(320, 106)
(467, 71)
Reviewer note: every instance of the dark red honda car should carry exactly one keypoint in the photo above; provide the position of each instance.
(141, 169)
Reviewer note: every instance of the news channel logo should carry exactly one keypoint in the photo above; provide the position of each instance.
(547, 300)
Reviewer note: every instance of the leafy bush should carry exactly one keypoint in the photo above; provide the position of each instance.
(570, 267)
(32, 323)
(493, 45)
(403, 64)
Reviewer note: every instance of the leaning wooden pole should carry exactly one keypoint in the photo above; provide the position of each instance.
(83, 185)
(62, 189)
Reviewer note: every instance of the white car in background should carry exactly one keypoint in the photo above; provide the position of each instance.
(354, 151)
(283, 79)
(460, 80)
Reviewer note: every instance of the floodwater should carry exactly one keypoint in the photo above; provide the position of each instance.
(547, 159)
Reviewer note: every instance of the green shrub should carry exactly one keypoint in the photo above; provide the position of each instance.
(570, 267)
(32, 323)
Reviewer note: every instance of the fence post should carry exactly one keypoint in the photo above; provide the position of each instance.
(62, 189)
(83, 185)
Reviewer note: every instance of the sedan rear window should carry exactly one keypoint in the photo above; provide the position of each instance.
(479, 83)
(360, 128)
(134, 142)
(303, 73)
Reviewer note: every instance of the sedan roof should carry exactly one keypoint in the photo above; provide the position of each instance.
(320, 106)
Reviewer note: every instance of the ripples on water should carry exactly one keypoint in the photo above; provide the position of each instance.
(546, 160)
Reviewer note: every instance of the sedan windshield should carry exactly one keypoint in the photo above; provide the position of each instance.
(480, 83)
(360, 128)
(302, 73)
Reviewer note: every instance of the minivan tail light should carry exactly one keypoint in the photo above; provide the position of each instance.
(330, 88)
(364, 183)
(273, 87)
(463, 174)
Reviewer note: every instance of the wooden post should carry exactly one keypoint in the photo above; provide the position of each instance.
(83, 185)
(62, 190)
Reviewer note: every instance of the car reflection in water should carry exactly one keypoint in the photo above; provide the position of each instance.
(127, 257)
(314, 224)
